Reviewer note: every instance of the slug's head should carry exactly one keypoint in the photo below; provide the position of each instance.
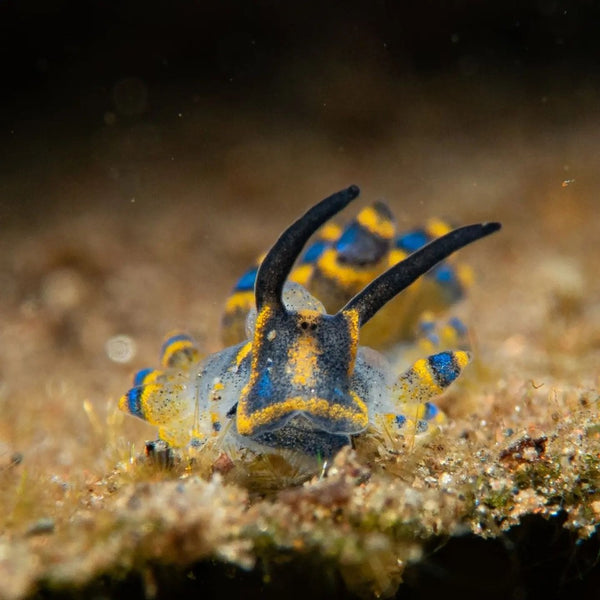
(303, 360)
(301, 365)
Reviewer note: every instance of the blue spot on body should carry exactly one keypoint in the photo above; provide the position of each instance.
(264, 386)
(445, 369)
(348, 238)
(313, 252)
(444, 274)
(246, 281)
(427, 326)
(338, 392)
(133, 401)
(409, 242)
(458, 326)
(400, 421)
(431, 411)
(434, 339)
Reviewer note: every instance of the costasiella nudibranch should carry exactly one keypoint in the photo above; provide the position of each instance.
(301, 380)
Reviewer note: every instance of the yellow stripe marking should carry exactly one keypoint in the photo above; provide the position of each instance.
(179, 346)
(465, 275)
(347, 276)
(462, 358)
(151, 377)
(330, 232)
(361, 405)
(242, 353)
(437, 228)
(423, 371)
(302, 361)
(239, 301)
(371, 220)
(247, 424)
(302, 274)
(395, 256)
(262, 319)
(124, 404)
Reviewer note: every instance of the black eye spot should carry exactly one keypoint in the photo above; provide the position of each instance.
(313, 327)
(304, 325)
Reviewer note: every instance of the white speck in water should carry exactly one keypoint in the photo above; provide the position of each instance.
(120, 348)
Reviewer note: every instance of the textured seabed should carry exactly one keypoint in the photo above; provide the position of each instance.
(139, 231)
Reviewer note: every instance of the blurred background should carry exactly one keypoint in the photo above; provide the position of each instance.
(151, 150)
(105, 101)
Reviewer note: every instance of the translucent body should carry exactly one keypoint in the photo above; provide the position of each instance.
(196, 401)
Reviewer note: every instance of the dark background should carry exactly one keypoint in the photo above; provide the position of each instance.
(59, 54)
(190, 76)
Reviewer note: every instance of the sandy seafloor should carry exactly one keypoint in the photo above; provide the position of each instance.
(144, 227)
